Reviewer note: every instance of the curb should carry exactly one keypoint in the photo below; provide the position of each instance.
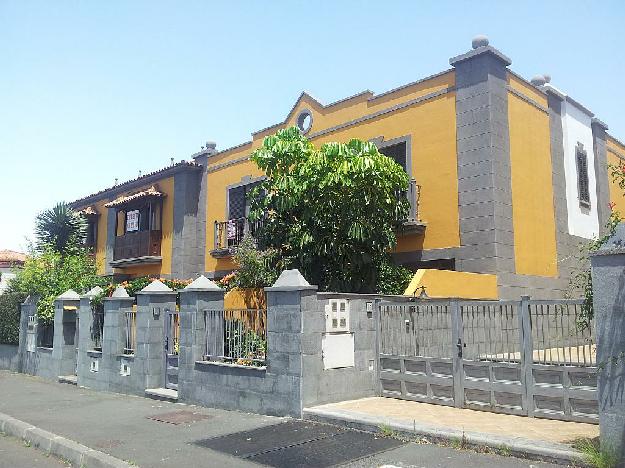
(77, 454)
(517, 446)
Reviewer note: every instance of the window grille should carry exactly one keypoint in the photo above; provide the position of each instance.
(583, 190)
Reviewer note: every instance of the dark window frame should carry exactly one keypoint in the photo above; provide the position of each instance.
(583, 179)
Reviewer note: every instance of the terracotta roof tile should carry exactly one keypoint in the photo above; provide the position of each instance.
(12, 256)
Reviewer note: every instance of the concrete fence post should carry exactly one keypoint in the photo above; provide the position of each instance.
(113, 337)
(285, 332)
(65, 333)
(200, 297)
(608, 281)
(154, 303)
(526, 353)
(85, 335)
(28, 334)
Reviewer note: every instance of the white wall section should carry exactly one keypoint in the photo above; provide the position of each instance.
(577, 128)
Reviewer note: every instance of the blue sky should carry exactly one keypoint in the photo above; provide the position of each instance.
(93, 91)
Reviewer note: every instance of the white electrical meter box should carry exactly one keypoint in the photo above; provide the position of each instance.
(337, 350)
(95, 365)
(337, 315)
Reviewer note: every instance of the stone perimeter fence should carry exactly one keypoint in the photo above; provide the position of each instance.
(319, 347)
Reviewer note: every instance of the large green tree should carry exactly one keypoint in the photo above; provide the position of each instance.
(60, 228)
(331, 212)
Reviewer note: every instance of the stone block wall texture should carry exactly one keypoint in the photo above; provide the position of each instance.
(9, 357)
(331, 385)
(49, 363)
(608, 277)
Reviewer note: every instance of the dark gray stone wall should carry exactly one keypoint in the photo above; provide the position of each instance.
(9, 357)
(186, 242)
(601, 174)
(331, 385)
(49, 363)
(273, 390)
(484, 191)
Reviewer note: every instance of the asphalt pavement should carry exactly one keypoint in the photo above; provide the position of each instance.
(150, 433)
(15, 454)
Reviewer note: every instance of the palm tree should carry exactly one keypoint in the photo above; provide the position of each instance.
(61, 228)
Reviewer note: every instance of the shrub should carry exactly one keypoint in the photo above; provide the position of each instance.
(391, 278)
(10, 317)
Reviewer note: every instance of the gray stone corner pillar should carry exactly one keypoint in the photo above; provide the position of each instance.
(65, 344)
(287, 300)
(602, 175)
(483, 157)
(608, 281)
(201, 307)
(116, 309)
(85, 331)
(155, 305)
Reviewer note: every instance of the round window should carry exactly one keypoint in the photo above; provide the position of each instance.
(304, 121)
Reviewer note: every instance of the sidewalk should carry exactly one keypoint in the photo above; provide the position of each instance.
(119, 425)
(533, 435)
(149, 433)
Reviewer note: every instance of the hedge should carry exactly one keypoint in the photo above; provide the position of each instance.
(10, 317)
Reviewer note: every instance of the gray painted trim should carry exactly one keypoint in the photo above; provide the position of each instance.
(455, 61)
(600, 123)
(345, 124)
(527, 99)
(118, 189)
(602, 178)
(381, 143)
(300, 120)
(350, 123)
(569, 99)
(388, 110)
(616, 153)
(218, 167)
(402, 87)
(245, 180)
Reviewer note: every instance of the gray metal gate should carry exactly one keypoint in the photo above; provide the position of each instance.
(172, 343)
(517, 357)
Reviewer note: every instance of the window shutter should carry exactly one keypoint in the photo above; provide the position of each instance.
(397, 153)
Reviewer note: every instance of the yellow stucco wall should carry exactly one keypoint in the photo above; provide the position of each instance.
(431, 124)
(445, 283)
(616, 154)
(532, 190)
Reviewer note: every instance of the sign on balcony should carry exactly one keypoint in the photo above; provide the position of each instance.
(132, 221)
(232, 229)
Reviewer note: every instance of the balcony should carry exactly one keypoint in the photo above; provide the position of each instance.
(413, 225)
(229, 234)
(140, 247)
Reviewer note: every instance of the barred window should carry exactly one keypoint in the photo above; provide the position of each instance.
(581, 160)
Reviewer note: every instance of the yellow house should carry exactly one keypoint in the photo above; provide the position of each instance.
(507, 177)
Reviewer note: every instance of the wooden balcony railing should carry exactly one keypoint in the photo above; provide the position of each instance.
(137, 244)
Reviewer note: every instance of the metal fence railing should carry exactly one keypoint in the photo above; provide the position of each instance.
(489, 331)
(97, 327)
(45, 334)
(558, 337)
(422, 329)
(130, 328)
(236, 336)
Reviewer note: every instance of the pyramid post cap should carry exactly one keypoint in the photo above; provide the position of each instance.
(202, 283)
(290, 280)
(69, 295)
(156, 287)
